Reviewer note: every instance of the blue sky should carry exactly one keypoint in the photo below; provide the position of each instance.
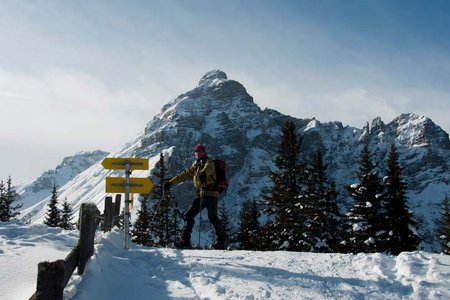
(83, 76)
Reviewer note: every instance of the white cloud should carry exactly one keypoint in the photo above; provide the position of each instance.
(352, 106)
(71, 111)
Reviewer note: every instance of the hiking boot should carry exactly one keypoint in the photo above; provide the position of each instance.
(184, 244)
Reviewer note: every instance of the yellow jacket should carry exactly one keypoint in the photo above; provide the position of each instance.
(193, 172)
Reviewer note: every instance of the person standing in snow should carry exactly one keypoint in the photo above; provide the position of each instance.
(203, 175)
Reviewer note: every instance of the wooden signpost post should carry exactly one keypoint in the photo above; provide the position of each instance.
(127, 185)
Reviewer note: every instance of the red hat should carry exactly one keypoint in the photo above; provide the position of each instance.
(200, 148)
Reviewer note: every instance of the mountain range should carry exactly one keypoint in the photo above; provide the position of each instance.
(220, 114)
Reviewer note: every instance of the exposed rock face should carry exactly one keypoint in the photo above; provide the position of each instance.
(220, 114)
(211, 76)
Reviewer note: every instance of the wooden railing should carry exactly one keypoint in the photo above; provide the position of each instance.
(53, 276)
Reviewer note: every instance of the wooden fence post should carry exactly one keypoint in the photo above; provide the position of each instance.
(88, 224)
(53, 276)
(116, 219)
(117, 204)
(50, 281)
(108, 214)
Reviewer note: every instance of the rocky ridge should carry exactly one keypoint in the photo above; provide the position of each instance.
(68, 169)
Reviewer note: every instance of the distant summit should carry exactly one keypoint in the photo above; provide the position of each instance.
(68, 169)
(212, 76)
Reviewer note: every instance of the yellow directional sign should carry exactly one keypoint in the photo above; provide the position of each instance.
(120, 163)
(136, 185)
(127, 185)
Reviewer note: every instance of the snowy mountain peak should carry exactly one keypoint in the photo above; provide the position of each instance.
(220, 114)
(377, 123)
(212, 77)
(312, 124)
(419, 131)
(213, 90)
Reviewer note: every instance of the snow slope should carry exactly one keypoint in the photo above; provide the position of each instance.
(22, 247)
(144, 273)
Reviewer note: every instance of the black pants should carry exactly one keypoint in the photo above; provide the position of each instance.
(211, 205)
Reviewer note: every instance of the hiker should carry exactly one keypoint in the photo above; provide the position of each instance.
(203, 174)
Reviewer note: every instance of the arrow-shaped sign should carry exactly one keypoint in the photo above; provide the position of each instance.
(136, 185)
(127, 185)
(120, 163)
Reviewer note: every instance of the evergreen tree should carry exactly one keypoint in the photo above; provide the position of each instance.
(285, 203)
(444, 230)
(140, 234)
(8, 196)
(175, 220)
(3, 208)
(164, 214)
(324, 218)
(53, 218)
(266, 236)
(398, 220)
(66, 216)
(249, 235)
(224, 217)
(363, 219)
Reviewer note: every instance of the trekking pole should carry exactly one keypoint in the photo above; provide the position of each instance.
(202, 194)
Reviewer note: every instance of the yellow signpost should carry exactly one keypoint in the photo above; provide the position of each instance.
(136, 185)
(118, 163)
(127, 185)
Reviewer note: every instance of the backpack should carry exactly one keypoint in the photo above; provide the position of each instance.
(221, 178)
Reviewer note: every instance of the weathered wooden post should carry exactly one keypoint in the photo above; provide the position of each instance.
(88, 224)
(117, 219)
(108, 214)
(117, 204)
(50, 281)
(53, 276)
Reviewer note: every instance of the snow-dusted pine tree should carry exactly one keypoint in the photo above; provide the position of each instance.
(399, 228)
(363, 219)
(285, 204)
(324, 218)
(53, 218)
(224, 217)
(66, 216)
(444, 231)
(249, 235)
(8, 196)
(164, 214)
(3, 207)
(175, 219)
(140, 234)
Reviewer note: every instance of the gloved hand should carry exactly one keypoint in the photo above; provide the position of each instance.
(167, 187)
(202, 177)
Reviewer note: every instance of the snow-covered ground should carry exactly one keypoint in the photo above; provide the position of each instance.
(154, 273)
(22, 247)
